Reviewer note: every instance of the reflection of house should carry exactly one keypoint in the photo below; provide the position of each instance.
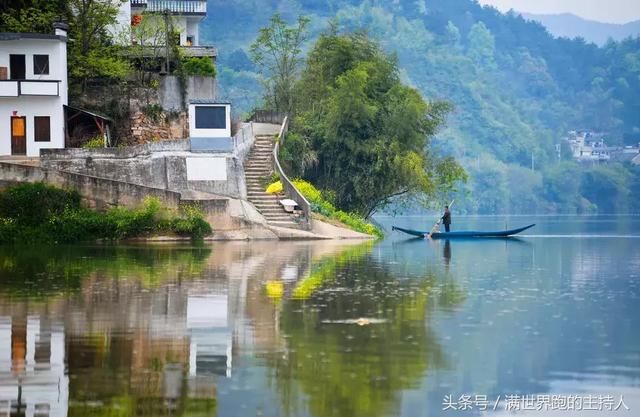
(211, 341)
(32, 369)
(33, 91)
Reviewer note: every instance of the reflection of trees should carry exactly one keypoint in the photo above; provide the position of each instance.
(125, 346)
(44, 271)
(351, 370)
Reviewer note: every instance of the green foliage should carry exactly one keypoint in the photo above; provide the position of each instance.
(34, 204)
(277, 52)
(30, 19)
(92, 53)
(91, 50)
(198, 66)
(515, 88)
(367, 134)
(321, 204)
(94, 143)
(153, 111)
(39, 213)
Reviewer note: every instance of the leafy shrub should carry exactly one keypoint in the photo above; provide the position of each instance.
(33, 204)
(321, 206)
(94, 143)
(198, 66)
(153, 111)
(64, 221)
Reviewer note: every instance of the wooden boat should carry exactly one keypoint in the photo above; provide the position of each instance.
(466, 234)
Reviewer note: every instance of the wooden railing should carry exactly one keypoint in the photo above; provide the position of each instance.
(287, 186)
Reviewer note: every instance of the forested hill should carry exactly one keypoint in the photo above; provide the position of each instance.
(516, 91)
(571, 26)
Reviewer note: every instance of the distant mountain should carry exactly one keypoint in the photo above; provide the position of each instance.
(571, 26)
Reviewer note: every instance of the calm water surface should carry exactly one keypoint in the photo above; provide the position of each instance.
(394, 328)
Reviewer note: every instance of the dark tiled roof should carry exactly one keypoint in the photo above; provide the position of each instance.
(14, 36)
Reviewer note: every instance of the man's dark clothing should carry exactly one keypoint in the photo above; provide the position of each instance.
(446, 220)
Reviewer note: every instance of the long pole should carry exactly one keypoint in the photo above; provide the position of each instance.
(433, 229)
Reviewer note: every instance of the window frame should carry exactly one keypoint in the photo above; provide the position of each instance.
(46, 69)
(37, 134)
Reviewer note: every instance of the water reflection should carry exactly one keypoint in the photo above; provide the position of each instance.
(446, 253)
(358, 340)
(155, 330)
(314, 329)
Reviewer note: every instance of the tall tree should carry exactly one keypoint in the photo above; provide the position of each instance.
(93, 54)
(278, 54)
(370, 132)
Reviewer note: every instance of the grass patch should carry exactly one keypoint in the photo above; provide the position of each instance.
(320, 204)
(39, 213)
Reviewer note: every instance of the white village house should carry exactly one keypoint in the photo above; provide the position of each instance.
(33, 91)
(186, 16)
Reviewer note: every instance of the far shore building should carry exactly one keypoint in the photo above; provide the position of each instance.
(587, 146)
(33, 91)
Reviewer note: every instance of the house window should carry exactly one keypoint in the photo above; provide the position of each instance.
(41, 64)
(17, 67)
(190, 40)
(42, 128)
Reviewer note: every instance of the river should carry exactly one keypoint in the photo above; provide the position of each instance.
(549, 321)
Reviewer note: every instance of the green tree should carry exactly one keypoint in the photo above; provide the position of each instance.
(92, 52)
(278, 54)
(482, 45)
(369, 131)
(30, 16)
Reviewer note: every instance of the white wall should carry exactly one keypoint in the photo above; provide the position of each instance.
(121, 30)
(193, 29)
(31, 106)
(56, 50)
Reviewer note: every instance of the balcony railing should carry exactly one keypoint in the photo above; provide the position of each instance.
(196, 7)
(16, 88)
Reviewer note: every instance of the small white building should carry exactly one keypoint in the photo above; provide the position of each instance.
(33, 91)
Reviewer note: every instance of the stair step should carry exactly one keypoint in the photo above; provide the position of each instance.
(282, 217)
(272, 211)
(260, 199)
(289, 225)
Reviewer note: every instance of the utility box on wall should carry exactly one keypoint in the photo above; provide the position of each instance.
(210, 126)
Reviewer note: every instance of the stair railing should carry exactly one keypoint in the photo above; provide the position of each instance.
(287, 186)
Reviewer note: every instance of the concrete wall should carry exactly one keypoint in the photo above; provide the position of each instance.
(198, 88)
(97, 192)
(223, 214)
(159, 164)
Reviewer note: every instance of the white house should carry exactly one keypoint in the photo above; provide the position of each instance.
(33, 91)
(186, 16)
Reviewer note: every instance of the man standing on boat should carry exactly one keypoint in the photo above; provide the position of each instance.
(446, 218)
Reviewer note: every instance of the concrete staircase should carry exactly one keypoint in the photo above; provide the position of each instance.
(259, 164)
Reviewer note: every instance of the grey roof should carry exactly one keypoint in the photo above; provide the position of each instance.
(14, 36)
(99, 116)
